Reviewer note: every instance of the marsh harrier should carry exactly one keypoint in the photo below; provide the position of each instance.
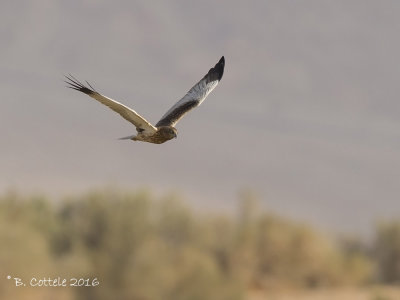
(164, 130)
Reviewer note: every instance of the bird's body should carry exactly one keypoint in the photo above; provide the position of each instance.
(163, 134)
(164, 130)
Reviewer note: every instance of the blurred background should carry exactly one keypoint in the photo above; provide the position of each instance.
(287, 176)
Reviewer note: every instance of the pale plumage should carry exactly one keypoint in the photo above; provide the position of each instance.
(164, 130)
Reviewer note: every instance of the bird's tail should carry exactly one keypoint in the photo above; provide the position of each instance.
(131, 137)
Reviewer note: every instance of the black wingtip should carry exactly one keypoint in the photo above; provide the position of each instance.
(218, 69)
(73, 83)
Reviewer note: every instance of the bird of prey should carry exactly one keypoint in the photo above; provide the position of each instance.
(164, 130)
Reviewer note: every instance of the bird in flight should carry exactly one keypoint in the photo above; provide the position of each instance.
(164, 130)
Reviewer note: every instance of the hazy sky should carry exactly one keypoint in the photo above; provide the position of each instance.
(307, 114)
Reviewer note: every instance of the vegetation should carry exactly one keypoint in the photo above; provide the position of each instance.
(137, 247)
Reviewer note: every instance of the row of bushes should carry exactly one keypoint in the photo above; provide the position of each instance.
(138, 247)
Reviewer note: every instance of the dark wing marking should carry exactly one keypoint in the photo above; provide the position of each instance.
(195, 96)
(126, 112)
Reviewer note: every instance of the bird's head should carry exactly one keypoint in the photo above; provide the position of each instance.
(168, 132)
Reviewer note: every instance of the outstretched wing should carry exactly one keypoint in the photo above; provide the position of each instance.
(195, 96)
(127, 113)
